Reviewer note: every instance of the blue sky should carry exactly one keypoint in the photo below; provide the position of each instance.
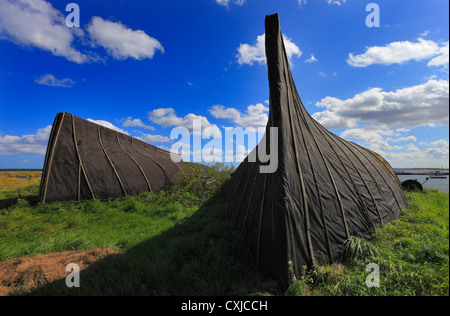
(145, 67)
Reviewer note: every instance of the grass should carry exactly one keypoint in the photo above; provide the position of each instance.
(18, 184)
(178, 242)
(120, 224)
(412, 255)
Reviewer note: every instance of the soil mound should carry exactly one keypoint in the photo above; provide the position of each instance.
(29, 272)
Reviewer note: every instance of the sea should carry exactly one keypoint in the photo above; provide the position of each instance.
(441, 184)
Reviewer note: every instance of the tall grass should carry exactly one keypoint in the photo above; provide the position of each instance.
(356, 248)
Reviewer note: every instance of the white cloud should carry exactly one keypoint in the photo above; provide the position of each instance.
(438, 153)
(226, 3)
(415, 157)
(442, 143)
(403, 139)
(26, 144)
(249, 54)
(399, 53)
(442, 59)
(402, 130)
(331, 119)
(167, 117)
(237, 155)
(52, 81)
(122, 42)
(35, 23)
(223, 2)
(338, 2)
(108, 125)
(373, 136)
(408, 156)
(311, 59)
(256, 115)
(208, 155)
(155, 138)
(424, 104)
(130, 122)
(411, 148)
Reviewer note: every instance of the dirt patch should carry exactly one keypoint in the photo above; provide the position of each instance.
(30, 272)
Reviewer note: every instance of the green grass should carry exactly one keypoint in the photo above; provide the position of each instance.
(178, 242)
(411, 253)
(120, 224)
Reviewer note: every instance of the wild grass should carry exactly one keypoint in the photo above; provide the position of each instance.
(412, 255)
(356, 248)
(27, 228)
(18, 184)
(178, 242)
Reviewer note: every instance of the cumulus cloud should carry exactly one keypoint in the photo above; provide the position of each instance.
(237, 155)
(373, 136)
(415, 157)
(403, 139)
(255, 116)
(402, 130)
(441, 143)
(122, 42)
(424, 104)
(149, 138)
(52, 81)
(130, 122)
(249, 54)
(438, 153)
(108, 125)
(401, 52)
(167, 117)
(35, 23)
(27, 144)
(409, 155)
(442, 59)
(382, 121)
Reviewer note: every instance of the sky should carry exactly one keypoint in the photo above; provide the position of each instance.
(378, 76)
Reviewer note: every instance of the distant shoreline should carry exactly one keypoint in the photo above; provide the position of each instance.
(421, 174)
(422, 171)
